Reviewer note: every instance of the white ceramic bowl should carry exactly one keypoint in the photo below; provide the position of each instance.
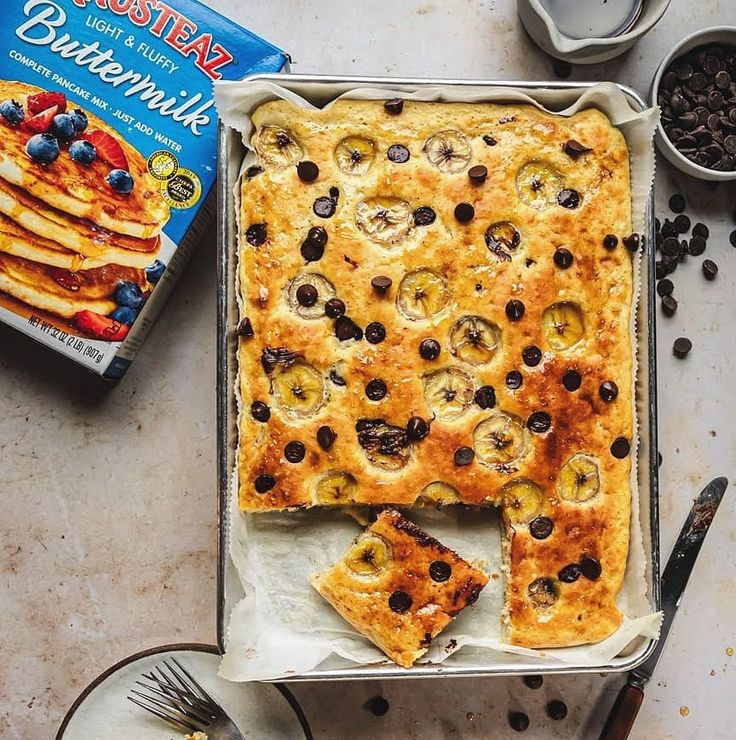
(715, 34)
(542, 29)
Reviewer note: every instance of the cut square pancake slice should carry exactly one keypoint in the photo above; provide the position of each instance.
(399, 586)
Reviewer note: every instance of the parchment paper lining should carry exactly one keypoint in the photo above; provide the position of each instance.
(277, 631)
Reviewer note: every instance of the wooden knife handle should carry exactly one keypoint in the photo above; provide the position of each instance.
(623, 713)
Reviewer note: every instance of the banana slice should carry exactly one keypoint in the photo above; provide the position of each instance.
(475, 340)
(449, 151)
(354, 155)
(277, 146)
(385, 445)
(422, 294)
(563, 325)
(543, 593)
(334, 488)
(384, 219)
(448, 393)
(299, 389)
(500, 439)
(522, 501)
(538, 184)
(369, 555)
(438, 493)
(325, 290)
(579, 479)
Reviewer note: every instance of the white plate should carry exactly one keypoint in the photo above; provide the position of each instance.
(262, 711)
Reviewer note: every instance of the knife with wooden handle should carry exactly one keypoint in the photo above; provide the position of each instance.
(674, 579)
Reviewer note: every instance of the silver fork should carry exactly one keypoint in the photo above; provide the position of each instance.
(175, 697)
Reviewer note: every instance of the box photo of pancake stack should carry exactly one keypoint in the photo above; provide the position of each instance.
(107, 157)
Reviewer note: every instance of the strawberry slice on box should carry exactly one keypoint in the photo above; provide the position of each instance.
(102, 327)
(42, 101)
(41, 122)
(108, 148)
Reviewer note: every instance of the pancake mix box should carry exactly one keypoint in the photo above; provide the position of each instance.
(108, 151)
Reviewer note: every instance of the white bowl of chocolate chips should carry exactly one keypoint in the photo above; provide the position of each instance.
(695, 87)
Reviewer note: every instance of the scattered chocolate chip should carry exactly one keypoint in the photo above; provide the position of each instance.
(306, 295)
(260, 412)
(533, 682)
(417, 428)
(539, 422)
(488, 139)
(400, 602)
(485, 397)
(531, 355)
(324, 207)
(429, 349)
(346, 328)
(557, 709)
(311, 251)
(376, 389)
(294, 452)
(671, 246)
(563, 258)
(245, 329)
(665, 287)
(514, 379)
(570, 573)
(440, 571)
(394, 106)
(590, 568)
(478, 174)
(608, 391)
(381, 283)
(377, 706)
(307, 171)
(334, 308)
(464, 456)
(518, 720)
(337, 379)
(568, 198)
(398, 153)
(669, 305)
(571, 380)
(632, 242)
(264, 483)
(561, 68)
(272, 356)
(541, 527)
(620, 447)
(697, 245)
(681, 347)
(610, 241)
(464, 212)
(424, 216)
(256, 234)
(701, 230)
(575, 149)
(732, 238)
(515, 310)
(375, 332)
(710, 269)
(326, 437)
(677, 203)
(660, 270)
(682, 224)
(252, 171)
(668, 228)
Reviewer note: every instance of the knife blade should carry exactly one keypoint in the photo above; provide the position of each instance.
(674, 579)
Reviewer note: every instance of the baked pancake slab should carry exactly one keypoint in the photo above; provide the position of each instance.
(400, 587)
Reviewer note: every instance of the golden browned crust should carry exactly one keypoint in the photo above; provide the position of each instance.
(480, 282)
(397, 563)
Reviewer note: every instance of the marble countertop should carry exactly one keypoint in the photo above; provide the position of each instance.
(108, 529)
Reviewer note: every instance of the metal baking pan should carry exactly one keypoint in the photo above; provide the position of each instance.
(320, 90)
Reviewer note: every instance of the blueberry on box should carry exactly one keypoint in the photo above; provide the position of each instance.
(121, 181)
(128, 294)
(79, 119)
(124, 315)
(82, 152)
(12, 111)
(42, 148)
(155, 271)
(62, 127)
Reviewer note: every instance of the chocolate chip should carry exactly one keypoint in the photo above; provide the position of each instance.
(464, 456)
(710, 269)
(668, 228)
(669, 305)
(531, 355)
(574, 148)
(563, 258)
(677, 203)
(306, 295)
(732, 238)
(632, 242)
(701, 230)
(324, 207)
(485, 397)
(334, 308)
(440, 571)
(681, 347)
(376, 389)
(429, 349)
(252, 171)
(417, 428)
(729, 144)
(334, 194)
(375, 332)
(668, 81)
(660, 270)
(400, 602)
(424, 216)
(723, 80)
(665, 287)
(610, 241)
(394, 106)
(620, 447)
(488, 139)
(515, 310)
(539, 422)
(478, 174)
(256, 234)
(260, 412)
(346, 328)
(696, 246)
(307, 171)
(541, 527)
(561, 68)
(557, 709)
(377, 706)
(294, 452)
(326, 437)
(568, 198)
(398, 153)
(514, 379)
(715, 100)
(337, 379)
(245, 329)
(590, 568)
(608, 391)
(570, 573)
(571, 380)
(311, 251)
(518, 720)
(533, 682)
(464, 212)
(671, 246)
(698, 82)
(381, 283)
(682, 224)
(264, 483)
